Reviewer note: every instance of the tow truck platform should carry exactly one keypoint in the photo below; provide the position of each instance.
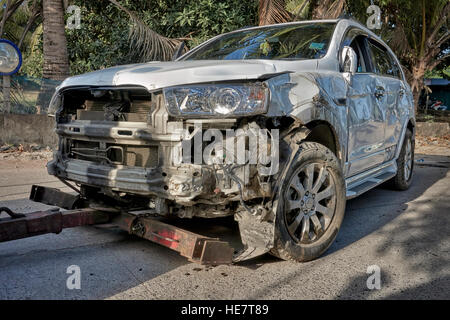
(72, 212)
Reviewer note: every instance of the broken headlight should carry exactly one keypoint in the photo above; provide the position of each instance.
(55, 104)
(217, 99)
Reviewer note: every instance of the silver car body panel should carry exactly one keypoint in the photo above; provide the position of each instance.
(158, 75)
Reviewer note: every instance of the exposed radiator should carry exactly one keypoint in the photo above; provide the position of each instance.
(115, 154)
(139, 111)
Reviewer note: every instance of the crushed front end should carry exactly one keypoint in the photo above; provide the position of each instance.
(121, 142)
(122, 147)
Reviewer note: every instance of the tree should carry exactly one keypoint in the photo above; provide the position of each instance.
(149, 43)
(56, 60)
(139, 31)
(418, 32)
(13, 11)
(326, 9)
(273, 11)
(9, 8)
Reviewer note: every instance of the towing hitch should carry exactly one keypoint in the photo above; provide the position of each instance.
(20, 226)
(195, 247)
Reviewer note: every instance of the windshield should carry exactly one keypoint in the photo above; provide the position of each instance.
(294, 41)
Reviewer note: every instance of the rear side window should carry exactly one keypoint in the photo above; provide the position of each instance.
(382, 61)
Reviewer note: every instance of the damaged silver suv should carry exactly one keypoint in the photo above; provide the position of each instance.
(327, 100)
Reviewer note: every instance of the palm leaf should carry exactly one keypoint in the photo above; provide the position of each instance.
(328, 9)
(273, 11)
(150, 44)
(300, 10)
(335, 9)
(398, 41)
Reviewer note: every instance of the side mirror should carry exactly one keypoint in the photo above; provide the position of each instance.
(349, 60)
(179, 51)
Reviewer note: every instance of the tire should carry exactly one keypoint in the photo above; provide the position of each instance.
(298, 235)
(405, 164)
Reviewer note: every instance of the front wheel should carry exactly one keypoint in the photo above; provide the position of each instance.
(311, 205)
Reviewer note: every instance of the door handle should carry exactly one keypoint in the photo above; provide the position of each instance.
(379, 92)
(401, 92)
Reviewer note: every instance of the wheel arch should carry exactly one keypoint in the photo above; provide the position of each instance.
(408, 124)
(411, 125)
(323, 132)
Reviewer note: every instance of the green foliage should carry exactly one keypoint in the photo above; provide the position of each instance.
(402, 22)
(438, 73)
(32, 43)
(33, 57)
(298, 8)
(14, 27)
(103, 39)
(206, 18)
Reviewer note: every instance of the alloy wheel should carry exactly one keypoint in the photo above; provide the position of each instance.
(310, 202)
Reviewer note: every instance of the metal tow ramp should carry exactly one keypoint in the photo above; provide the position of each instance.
(195, 247)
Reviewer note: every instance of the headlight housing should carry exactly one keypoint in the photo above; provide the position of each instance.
(55, 104)
(225, 100)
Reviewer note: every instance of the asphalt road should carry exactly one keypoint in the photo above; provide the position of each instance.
(406, 234)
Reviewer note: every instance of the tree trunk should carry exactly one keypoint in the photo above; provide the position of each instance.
(56, 60)
(417, 81)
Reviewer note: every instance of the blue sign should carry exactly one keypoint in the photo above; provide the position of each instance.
(10, 58)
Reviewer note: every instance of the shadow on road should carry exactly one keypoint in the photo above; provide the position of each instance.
(359, 218)
(421, 239)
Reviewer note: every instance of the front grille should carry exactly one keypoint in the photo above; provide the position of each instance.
(137, 106)
(138, 111)
(114, 154)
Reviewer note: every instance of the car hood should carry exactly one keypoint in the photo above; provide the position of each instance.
(156, 75)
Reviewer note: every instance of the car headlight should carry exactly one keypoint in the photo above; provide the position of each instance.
(55, 104)
(225, 100)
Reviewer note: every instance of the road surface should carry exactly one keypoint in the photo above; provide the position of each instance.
(405, 234)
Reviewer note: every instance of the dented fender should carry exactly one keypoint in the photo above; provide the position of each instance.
(312, 96)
